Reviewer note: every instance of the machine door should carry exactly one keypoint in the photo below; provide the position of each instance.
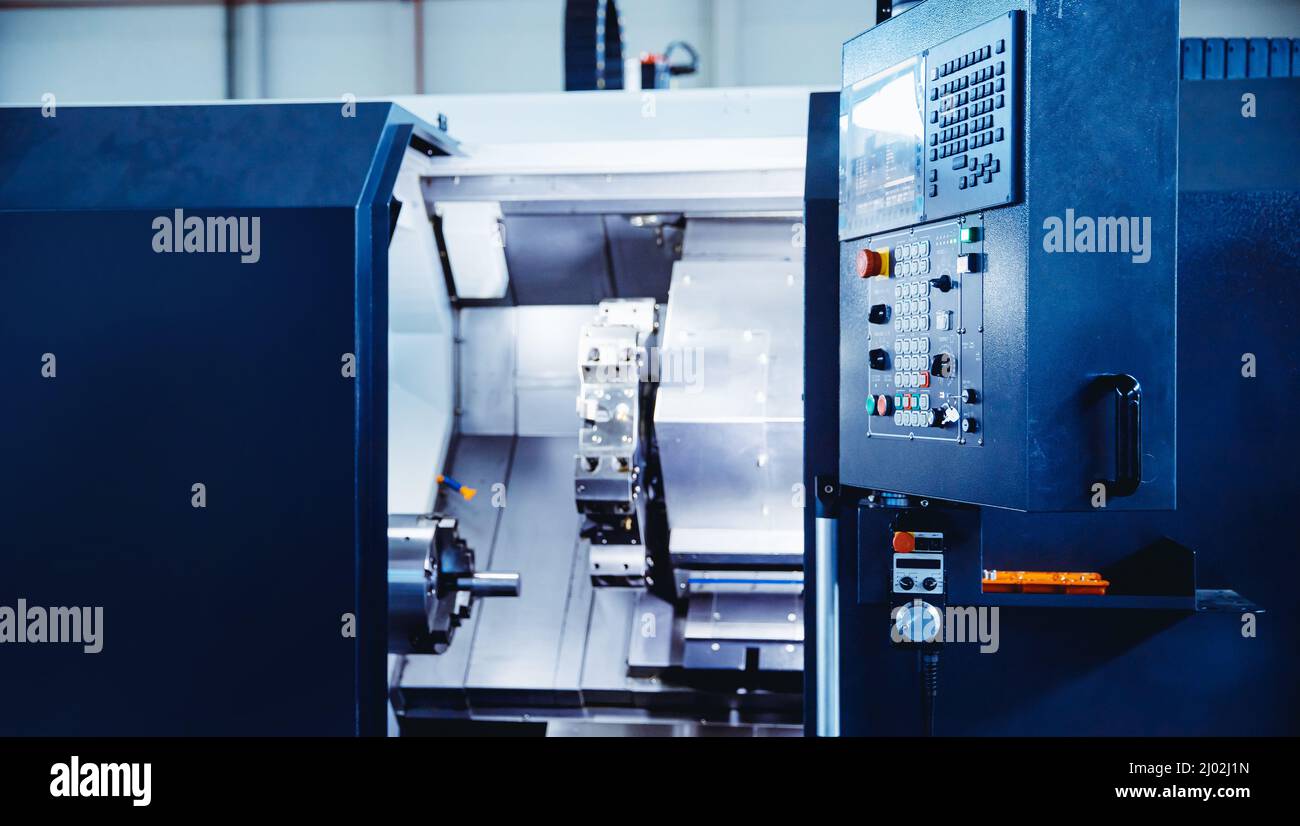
(193, 488)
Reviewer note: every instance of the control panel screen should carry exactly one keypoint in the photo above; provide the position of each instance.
(882, 133)
(934, 136)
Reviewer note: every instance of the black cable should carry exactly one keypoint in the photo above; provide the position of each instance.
(682, 69)
(928, 664)
(593, 45)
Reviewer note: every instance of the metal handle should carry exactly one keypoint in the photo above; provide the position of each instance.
(1128, 435)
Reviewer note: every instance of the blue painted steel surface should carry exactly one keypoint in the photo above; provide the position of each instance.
(1239, 57)
(1100, 107)
(182, 368)
(1148, 672)
(821, 364)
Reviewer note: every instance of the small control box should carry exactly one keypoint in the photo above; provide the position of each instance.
(918, 573)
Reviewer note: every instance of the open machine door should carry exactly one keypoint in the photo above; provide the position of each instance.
(192, 347)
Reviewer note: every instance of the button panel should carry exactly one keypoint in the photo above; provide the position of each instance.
(926, 361)
(971, 99)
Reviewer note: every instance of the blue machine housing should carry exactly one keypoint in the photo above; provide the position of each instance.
(1175, 660)
(177, 369)
(1099, 122)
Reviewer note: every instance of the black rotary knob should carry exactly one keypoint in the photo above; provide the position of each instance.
(943, 283)
(906, 583)
(879, 314)
(929, 583)
(943, 365)
(879, 358)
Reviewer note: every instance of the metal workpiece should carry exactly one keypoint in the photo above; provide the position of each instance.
(432, 583)
(485, 584)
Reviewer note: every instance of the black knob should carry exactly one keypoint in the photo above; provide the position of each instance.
(968, 425)
(969, 396)
(943, 365)
(943, 283)
(929, 583)
(879, 359)
(906, 583)
(879, 314)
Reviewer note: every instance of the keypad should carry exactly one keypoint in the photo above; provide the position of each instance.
(916, 346)
(965, 111)
(970, 100)
(911, 320)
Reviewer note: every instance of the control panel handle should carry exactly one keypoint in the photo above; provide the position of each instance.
(1128, 434)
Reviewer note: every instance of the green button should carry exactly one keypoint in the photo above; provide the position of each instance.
(970, 235)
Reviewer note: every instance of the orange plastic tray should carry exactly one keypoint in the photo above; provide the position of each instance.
(1044, 582)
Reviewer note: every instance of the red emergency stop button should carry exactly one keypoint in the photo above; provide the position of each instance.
(904, 542)
(869, 263)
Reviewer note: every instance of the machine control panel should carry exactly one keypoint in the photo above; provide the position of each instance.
(924, 347)
(935, 135)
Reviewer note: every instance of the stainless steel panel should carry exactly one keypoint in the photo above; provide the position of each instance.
(730, 429)
(658, 191)
(518, 642)
(734, 239)
(546, 378)
(517, 374)
(486, 350)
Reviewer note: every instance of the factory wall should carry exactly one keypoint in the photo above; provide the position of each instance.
(367, 48)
